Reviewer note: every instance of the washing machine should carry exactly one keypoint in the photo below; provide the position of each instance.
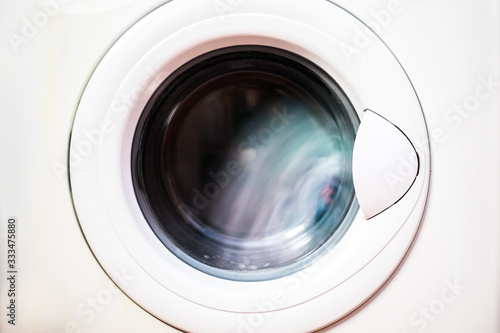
(250, 166)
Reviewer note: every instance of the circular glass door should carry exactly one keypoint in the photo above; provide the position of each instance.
(242, 162)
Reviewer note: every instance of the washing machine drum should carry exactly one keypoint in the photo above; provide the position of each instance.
(247, 164)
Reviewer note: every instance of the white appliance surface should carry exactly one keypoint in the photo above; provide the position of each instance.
(449, 281)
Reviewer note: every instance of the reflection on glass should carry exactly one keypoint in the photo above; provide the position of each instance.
(280, 186)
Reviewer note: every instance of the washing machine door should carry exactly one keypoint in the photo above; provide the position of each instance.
(248, 164)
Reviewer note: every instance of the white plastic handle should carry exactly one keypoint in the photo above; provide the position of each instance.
(385, 164)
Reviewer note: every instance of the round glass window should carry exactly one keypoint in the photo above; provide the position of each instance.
(241, 163)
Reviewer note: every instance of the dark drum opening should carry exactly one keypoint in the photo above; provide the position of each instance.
(241, 163)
